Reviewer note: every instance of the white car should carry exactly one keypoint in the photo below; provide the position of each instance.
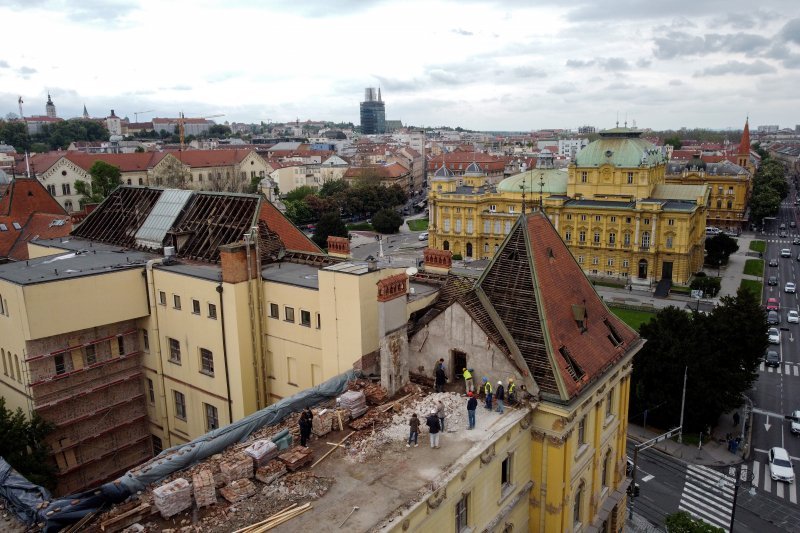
(795, 418)
(774, 336)
(789, 287)
(423, 236)
(780, 465)
(785, 252)
(793, 317)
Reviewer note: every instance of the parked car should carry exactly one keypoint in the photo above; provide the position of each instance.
(774, 336)
(772, 358)
(783, 234)
(793, 317)
(773, 318)
(773, 262)
(789, 287)
(780, 465)
(795, 418)
(423, 236)
(785, 252)
(772, 304)
(772, 280)
(783, 225)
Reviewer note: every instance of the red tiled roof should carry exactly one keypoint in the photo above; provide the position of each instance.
(391, 171)
(292, 237)
(562, 284)
(211, 158)
(125, 162)
(23, 201)
(452, 160)
(41, 162)
(39, 226)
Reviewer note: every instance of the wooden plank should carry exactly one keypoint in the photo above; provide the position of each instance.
(385, 409)
(268, 519)
(332, 449)
(119, 518)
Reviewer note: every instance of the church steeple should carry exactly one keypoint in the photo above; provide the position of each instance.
(743, 158)
(50, 108)
(85, 113)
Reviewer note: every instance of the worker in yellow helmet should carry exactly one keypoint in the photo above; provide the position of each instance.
(468, 383)
(511, 391)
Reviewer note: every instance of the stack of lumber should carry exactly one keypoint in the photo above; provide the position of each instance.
(354, 402)
(276, 519)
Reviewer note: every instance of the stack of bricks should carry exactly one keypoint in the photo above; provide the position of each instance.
(262, 451)
(205, 492)
(355, 402)
(239, 490)
(323, 422)
(269, 473)
(241, 466)
(375, 394)
(296, 458)
(173, 497)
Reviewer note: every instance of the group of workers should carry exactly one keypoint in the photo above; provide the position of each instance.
(501, 394)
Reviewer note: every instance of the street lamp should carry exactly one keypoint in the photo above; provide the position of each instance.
(541, 191)
(743, 476)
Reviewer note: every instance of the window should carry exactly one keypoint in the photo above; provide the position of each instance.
(305, 318)
(447, 225)
(630, 178)
(145, 340)
(670, 222)
(646, 239)
(604, 472)
(492, 208)
(458, 225)
(511, 209)
(60, 364)
(16, 364)
(568, 235)
(273, 310)
(613, 219)
(584, 177)
(2, 306)
(582, 431)
(669, 241)
(65, 190)
(151, 391)
(497, 226)
(180, 405)
(719, 204)
(462, 514)
(206, 362)
(581, 236)
(626, 239)
(288, 314)
(627, 220)
(597, 237)
(583, 218)
(157, 445)
(505, 472)
(174, 350)
(595, 260)
(730, 204)
(195, 307)
(580, 259)
(212, 417)
(51, 189)
(162, 297)
(646, 221)
(576, 507)
(291, 366)
(597, 218)
(610, 403)
(91, 354)
(610, 262)
(625, 263)
(141, 182)
(121, 345)
(612, 238)
(470, 227)
(508, 227)
(176, 301)
(5, 364)
(212, 311)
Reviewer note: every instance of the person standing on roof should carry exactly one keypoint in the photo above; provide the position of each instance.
(487, 390)
(500, 395)
(511, 391)
(413, 425)
(305, 429)
(433, 426)
(468, 383)
(440, 413)
(472, 404)
(440, 379)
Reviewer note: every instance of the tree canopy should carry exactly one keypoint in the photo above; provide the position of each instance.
(362, 200)
(387, 221)
(22, 444)
(59, 135)
(719, 249)
(769, 188)
(329, 224)
(682, 522)
(15, 133)
(721, 351)
(105, 178)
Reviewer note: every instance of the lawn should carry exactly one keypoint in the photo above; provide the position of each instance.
(632, 317)
(754, 267)
(360, 226)
(418, 224)
(752, 285)
(758, 246)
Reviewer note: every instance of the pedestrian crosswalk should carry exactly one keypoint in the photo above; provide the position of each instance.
(708, 495)
(764, 482)
(789, 369)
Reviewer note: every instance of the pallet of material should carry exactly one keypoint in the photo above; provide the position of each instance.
(322, 424)
(355, 402)
(173, 497)
(296, 458)
(375, 394)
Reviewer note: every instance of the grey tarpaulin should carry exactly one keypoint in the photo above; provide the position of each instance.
(21, 494)
(62, 512)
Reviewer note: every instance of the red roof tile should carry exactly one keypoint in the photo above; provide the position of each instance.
(292, 237)
(22, 202)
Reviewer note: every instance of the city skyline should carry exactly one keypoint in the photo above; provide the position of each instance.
(482, 64)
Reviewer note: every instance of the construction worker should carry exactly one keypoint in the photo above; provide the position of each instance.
(468, 383)
(511, 391)
(500, 395)
(487, 390)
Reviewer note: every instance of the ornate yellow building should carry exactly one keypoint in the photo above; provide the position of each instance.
(611, 206)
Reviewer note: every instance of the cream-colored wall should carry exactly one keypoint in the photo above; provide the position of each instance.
(12, 348)
(290, 343)
(55, 308)
(38, 250)
(63, 172)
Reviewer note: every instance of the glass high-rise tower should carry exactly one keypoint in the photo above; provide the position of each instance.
(373, 112)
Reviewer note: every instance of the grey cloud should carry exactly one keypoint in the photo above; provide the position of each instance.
(459, 31)
(643, 63)
(397, 85)
(176, 88)
(737, 67)
(564, 88)
(4, 64)
(447, 78)
(26, 72)
(738, 21)
(612, 64)
(528, 72)
(579, 63)
(791, 31)
(591, 10)
(675, 44)
(85, 12)
(675, 83)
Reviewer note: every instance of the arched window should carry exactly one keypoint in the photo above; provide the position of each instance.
(730, 204)
(141, 181)
(446, 245)
(19, 372)
(576, 507)
(5, 365)
(128, 181)
(606, 466)
(68, 206)
(469, 249)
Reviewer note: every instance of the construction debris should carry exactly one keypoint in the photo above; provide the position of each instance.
(322, 424)
(173, 497)
(296, 458)
(276, 519)
(238, 490)
(240, 467)
(269, 473)
(355, 402)
(205, 492)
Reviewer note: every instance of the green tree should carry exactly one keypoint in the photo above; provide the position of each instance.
(719, 249)
(22, 444)
(220, 130)
(387, 221)
(105, 178)
(709, 285)
(60, 134)
(765, 202)
(674, 141)
(331, 188)
(298, 212)
(763, 154)
(329, 224)
(682, 522)
(139, 150)
(721, 352)
(299, 193)
(15, 133)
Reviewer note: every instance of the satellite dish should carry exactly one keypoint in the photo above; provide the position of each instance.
(411, 271)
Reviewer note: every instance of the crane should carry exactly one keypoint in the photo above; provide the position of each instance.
(181, 119)
(137, 113)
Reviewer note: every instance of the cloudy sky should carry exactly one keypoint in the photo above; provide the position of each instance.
(480, 64)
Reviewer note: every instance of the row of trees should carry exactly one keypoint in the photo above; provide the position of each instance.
(57, 135)
(721, 351)
(360, 201)
(769, 187)
(22, 444)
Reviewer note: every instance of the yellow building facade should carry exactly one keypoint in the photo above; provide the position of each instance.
(612, 206)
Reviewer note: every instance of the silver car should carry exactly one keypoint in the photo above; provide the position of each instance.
(780, 465)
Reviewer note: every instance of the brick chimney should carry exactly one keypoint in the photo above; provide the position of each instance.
(438, 261)
(393, 332)
(339, 247)
(233, 258)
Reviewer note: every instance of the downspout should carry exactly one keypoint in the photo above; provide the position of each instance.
(225, 353)
(157, 338)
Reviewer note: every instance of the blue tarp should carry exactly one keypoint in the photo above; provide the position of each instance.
(60, 513)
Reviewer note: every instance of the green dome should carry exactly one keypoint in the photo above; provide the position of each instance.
(620, 147)
(555, 181)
